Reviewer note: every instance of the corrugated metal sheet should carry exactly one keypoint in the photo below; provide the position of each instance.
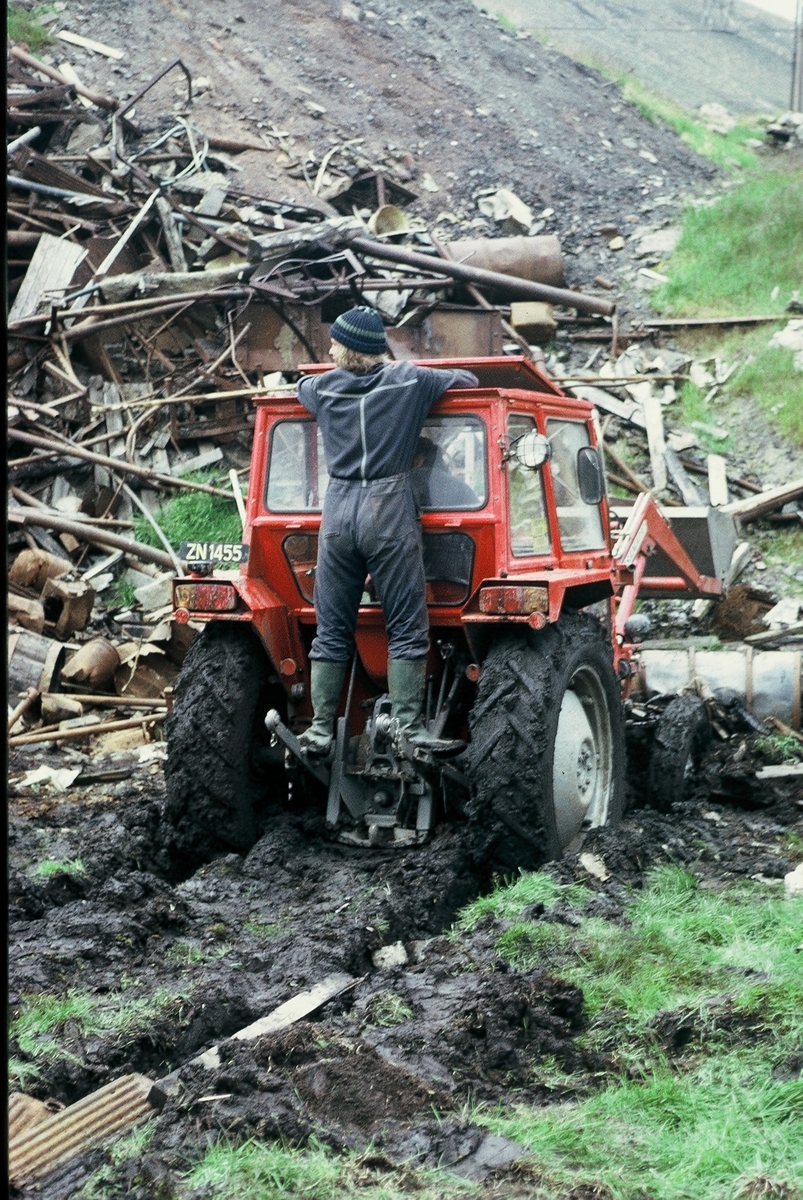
(23, 1112)
(119, 1106)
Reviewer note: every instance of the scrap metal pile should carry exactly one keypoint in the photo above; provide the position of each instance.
(150, 298)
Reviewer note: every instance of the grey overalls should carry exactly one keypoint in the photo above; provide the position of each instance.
(370, 426)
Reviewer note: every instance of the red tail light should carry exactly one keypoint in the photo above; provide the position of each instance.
(205, 597)
(503, 599)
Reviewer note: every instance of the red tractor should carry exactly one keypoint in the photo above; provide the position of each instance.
(531, 581)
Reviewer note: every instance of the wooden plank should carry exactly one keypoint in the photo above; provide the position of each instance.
(286, 1014)
(206, 459)
(51, 269)
(690, 493)
(764, 502)
(717, 480)
(175, 246)
(654, 420)
(76, 39)
(69, 72)
(626, 410)
(89, 729)
(114, 420)
(702, 322)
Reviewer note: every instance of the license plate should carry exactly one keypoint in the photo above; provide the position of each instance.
(213, 552)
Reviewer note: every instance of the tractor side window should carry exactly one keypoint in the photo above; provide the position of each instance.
(579, 524)
(297, 476)
(449, 465)
(529, 529)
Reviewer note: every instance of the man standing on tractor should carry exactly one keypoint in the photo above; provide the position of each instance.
(371, 412)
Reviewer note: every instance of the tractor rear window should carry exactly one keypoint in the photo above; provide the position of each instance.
(297, 475)
(448, 564)
(579, 524)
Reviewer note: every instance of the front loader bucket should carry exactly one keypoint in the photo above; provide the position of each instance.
(708, 535)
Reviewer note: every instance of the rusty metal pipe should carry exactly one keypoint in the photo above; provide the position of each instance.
(522, 288)
(29, 61)
(89, 533)
(74, 450)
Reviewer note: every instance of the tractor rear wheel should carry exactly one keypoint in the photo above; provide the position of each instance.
(218, 758)
(547, 742)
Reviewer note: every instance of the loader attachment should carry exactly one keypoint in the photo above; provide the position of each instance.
(690, 552)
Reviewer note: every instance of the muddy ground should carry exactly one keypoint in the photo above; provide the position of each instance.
(225, 944)
(433, 91)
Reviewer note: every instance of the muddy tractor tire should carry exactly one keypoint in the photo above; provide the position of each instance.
(547, 748)
(218, 759)
(682, 735)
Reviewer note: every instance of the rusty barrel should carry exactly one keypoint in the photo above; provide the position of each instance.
(538, 259)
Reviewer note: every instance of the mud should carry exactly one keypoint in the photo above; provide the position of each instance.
(227, 943)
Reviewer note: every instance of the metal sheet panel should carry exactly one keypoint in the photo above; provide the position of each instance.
(112, 1110)
(445, 333)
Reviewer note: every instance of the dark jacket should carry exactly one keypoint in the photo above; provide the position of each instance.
(370, 423)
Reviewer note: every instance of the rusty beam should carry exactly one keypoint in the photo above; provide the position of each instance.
(118, 466)
(89, 533)
(522, 288)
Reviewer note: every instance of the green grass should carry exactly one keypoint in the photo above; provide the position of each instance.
(779, 748)
(702, 1123)
(679, 944)
(187, 955)
(134, 1144)
(695, 411)
(121, 592)
(386, 1009)
(505, 23)
(24, 26)
(733, 254)
(193, 516)
(263, 929)
(260, 1171)
(39, 1029)
(51, 866)
(726, 150)
(701, 1136)
(771, 380)
(782, 547)
(509, 901)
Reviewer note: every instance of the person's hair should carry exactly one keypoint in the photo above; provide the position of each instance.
(352, 360)
(427, 451)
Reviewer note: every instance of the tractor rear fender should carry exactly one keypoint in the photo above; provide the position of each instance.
(255, 602)
(278, 634)
(537, 599)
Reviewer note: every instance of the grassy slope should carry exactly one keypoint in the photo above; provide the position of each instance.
(705, 1123)
(743, 256)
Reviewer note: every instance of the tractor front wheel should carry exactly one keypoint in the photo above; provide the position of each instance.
(681, 739)
(547, 742)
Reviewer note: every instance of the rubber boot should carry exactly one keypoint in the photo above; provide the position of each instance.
(407, 678)
(326, 684)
